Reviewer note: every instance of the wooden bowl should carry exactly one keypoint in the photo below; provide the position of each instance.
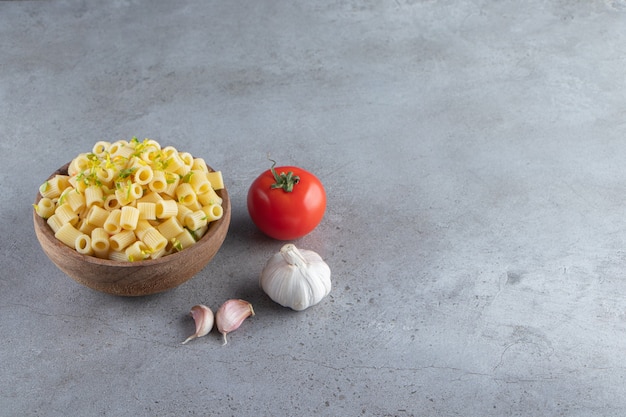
(133, 278)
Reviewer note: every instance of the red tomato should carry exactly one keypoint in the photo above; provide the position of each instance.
(286, 202)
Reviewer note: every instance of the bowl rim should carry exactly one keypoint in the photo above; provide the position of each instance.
(47, 233)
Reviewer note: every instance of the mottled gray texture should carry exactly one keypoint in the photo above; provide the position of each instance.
(473, 154)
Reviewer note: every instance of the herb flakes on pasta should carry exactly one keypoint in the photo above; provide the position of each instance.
(131, 200)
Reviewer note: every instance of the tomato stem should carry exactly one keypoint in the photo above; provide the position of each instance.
(284, 181)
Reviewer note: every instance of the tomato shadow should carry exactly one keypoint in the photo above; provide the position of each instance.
(242, 231)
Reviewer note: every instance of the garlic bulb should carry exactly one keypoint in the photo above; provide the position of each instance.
(231, 314)
(296, 278)
(203, 317)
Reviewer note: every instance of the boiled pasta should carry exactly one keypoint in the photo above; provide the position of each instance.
(54, 186)
(199, 232)
(68, 235)
(144, 175)
(142, 227)
(100, 242)
(128, 193)
(150, 197)
(65, 214)
(97, 216)
(199, 164)
(159, 253)
(112, 224)
(111, 202)
(213, 212)
(122, 240)
(199, 182)
(172, 183)
(210, 197)
(147, 210)
(100, 148)
(54, 222)
(185, 194)
(165, 209)
(216, 180)
(94, 195)
(195, 220)
(183, 212)
(176, 164)
(45, 207)
(85, 227)
(154, 240)
(183, 240)
(105, 175)
(158, 184)
(83, 244)
(131, 200)
(170, 228)
(138, 251)
(187, 159)
(75, 199)
(129, 217)
(118, 256)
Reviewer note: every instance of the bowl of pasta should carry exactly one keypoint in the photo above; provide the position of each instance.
(131, 218)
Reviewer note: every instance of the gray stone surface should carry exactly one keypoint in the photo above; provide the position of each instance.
(473, 153)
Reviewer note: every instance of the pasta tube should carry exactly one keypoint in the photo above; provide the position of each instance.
(185, 194)
(210, 197)
(105, 175)
(199, 164)
(68, 235)
(100, 148)
(170, 228)
(199, 182)
(122, 240)
(100, 242)
(45, 208)
(83, 244)
(65, 214)
(183, 212)
(144, 175)
(137, 251)
(111, 203)
(54, 186)
(159, 182)
(97, 216)
(142, 227)
(85, 227)
(147, 210)
(216, 179)
(118, 256)
(154, 240)
(54, 222)
(183, 240)
(75, 199)
(195, 220)
(213, 212)
(129, 217)
(94, 196)
(112, 224)
(166, 209)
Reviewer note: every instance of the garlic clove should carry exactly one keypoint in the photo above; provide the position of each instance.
(231, 314)
(203, 317)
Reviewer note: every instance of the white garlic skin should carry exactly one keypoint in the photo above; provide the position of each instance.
(296, 278)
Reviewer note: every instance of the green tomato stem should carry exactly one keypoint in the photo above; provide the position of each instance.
(284, 181)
